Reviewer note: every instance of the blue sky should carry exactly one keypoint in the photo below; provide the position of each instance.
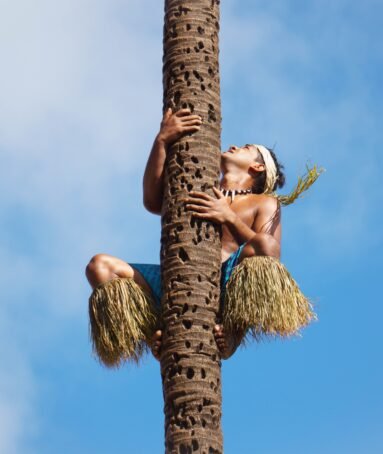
(80, 96)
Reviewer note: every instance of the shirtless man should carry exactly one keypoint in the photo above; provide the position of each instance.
(250, 221)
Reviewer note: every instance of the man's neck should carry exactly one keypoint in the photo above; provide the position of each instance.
(231, 180)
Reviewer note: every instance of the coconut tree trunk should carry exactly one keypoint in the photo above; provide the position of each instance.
(190, 250)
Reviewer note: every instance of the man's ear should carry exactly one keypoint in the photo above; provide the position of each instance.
(256, 168)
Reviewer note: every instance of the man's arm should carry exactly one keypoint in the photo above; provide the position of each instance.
(267, 222)
(173, 127)
(154, 176)
(268, 218)
(266, 226)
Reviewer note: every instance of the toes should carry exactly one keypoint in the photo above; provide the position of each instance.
(157, 336)
(156, 352)
(225, 342)
(218, 332)
(221, 344)
(156, 344)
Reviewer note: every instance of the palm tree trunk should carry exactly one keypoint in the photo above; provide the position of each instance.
(190, 251)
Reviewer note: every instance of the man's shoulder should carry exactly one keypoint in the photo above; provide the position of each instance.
(264, 200)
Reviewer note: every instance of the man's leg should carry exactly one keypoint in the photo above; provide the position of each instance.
(227, 343)
(103, 267)
(264, 245)
(283, 312)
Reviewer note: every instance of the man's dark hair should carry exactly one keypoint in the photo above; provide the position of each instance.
(260, 181)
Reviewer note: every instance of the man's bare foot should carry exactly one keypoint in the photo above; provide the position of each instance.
(227, 343)
(156, 343)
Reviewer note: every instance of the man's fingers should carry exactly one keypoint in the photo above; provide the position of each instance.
(196, 122)
(201, 215)
(197, 201)
(200, 195)
(191, 117)
(186, 129)
(187, 124)
(183, 112)
(188, 118)
(197, 208)
(168, 113)
(218, 193)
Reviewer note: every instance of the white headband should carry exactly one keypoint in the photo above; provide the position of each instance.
(270, 167)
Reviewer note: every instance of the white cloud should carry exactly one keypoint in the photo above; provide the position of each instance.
(80, 105)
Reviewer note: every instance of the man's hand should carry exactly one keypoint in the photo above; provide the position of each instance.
(176, 125)
(215, 209)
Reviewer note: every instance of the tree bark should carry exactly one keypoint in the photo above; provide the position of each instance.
(190, 249)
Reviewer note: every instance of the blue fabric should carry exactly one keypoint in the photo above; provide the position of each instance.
(228, 266)
(152, 275)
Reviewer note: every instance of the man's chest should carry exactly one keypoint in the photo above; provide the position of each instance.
(245, 209)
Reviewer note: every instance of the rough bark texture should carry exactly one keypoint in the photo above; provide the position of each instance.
(191, 253)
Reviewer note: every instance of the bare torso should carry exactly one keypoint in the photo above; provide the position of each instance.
(247, 208)
(249, 218)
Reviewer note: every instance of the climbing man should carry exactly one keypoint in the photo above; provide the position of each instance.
(249, 212)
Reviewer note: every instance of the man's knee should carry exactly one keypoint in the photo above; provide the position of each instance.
(264, 244)
(98, 261)
(103, 267)
(96, 264)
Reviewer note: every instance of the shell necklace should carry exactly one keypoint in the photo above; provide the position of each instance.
(233, 192)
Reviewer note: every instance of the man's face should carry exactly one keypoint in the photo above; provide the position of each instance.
(242, 157)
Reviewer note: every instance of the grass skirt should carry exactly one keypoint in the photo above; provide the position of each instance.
(122, 319)
(262, 299)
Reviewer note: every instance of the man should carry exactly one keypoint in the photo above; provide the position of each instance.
(249, 215)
